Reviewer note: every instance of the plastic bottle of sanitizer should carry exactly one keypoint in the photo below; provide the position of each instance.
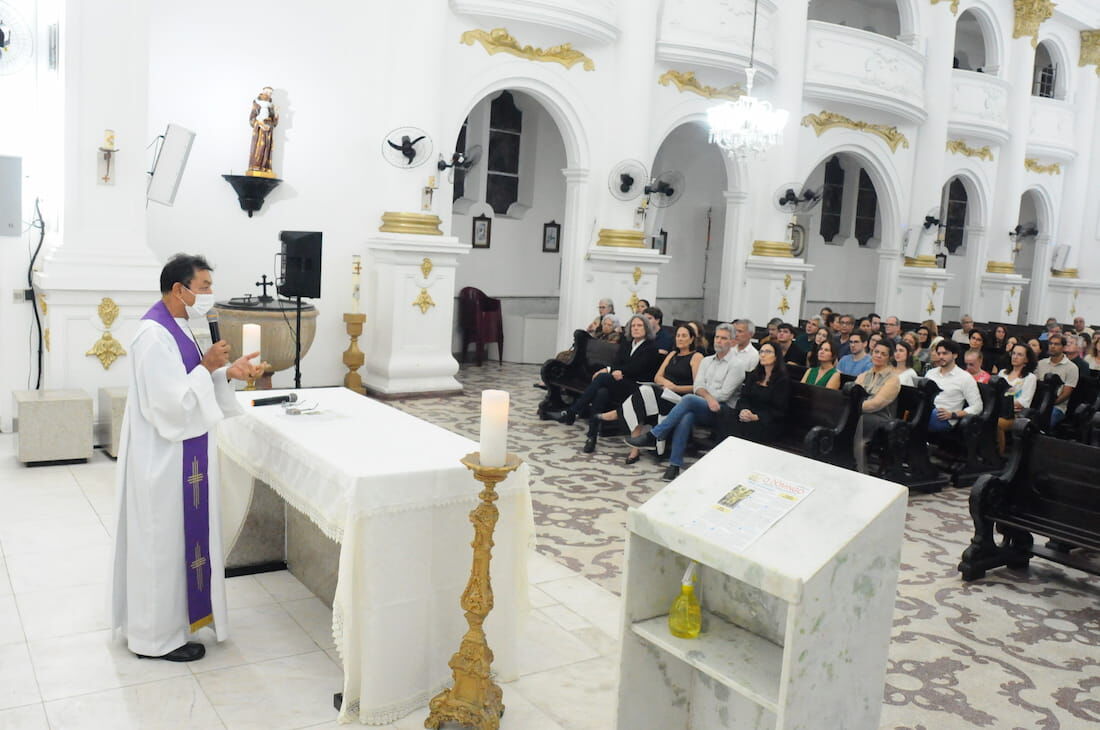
(685, 618)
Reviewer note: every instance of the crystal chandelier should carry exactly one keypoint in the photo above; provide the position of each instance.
(747, 126)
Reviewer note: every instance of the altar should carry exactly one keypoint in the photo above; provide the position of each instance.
(389, 490)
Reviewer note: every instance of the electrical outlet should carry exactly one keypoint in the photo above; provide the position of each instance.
(22, 295)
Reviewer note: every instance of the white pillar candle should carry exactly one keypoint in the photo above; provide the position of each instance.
(250, 341)
(494, 427)
(356, 268)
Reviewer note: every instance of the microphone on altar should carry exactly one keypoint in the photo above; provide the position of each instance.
(276, 399)
(212, 320)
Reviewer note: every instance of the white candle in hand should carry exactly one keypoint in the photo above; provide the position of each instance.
(494, 427)
(250, 341)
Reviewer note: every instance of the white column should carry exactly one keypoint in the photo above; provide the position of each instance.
(1040, 276)
(735, 249)
(1075, 189)
(574, 311)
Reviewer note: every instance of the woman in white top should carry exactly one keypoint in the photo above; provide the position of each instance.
(1093, 356)
(1020, 376)
(903, 364)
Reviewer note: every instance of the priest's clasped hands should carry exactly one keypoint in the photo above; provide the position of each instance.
(241, 369)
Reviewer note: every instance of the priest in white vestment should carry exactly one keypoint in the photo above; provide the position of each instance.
(168, 570)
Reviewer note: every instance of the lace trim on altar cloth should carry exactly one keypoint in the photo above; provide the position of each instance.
(390, 713)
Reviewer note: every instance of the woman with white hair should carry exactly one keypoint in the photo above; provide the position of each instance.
(610, 329)
(606, 307)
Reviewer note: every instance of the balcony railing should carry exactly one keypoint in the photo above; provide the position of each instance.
(582, 19)
(1051, 129)
(864, 69)
(704, 33)
(979, 106)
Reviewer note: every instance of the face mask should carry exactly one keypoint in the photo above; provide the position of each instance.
(203, 304)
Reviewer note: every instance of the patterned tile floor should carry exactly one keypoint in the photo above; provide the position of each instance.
(1011, 650)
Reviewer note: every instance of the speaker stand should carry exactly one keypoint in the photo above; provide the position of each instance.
(298, 344)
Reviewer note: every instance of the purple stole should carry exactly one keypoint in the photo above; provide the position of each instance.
(195, 490)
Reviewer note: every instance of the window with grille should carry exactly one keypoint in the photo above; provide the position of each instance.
(955, 217)
(832, 197)
(1045, 80)
(502, 168)
(866, 209)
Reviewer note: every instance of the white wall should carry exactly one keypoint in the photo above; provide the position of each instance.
(514, 265)
(686, 150)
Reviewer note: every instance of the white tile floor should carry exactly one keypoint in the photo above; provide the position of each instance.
(60, 668)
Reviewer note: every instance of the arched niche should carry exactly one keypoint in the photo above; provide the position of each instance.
(1032, 243)
(976, 43)
(693, 227)
(964, 197)
(1050, 71)
(892, 18)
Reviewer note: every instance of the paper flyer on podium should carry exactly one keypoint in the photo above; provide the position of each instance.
(749, 509)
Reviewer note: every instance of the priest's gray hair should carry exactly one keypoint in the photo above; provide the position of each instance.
(650, 331)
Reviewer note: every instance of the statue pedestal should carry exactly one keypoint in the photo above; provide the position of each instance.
(999, 298)
(773, 288)
(624, 275)
(921, 293)
(1069, 298)
(410, 289)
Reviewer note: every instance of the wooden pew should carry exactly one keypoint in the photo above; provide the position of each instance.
(902, 444)
(1051, 488)
(1079, 408)
(1085, 414)
(566, 380)
(820, 424)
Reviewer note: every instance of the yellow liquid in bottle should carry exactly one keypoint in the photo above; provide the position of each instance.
(685, 618)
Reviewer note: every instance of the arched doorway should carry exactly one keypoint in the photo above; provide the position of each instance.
(961, 215)
(690, 231)
(974, 50)
(1031, 235)
(510, 206)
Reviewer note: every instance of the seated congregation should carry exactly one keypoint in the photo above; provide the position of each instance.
(920, 403)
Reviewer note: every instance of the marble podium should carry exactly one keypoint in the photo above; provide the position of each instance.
(796, 625)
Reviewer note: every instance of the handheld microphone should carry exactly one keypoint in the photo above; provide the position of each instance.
(212, 320)
(289, 398)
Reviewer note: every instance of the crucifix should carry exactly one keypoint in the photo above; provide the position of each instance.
(197, 564)
(264, 283)
(195, 480)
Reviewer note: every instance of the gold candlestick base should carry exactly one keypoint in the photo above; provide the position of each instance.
(474, 700)
(353, 356)
(250, 384)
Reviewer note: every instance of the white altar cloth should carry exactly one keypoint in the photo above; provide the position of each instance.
(389, 487)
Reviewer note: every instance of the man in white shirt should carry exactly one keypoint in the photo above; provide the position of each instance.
(1061, 366)
(717, 382)
(962, 335)
(742, 349)
(957, 388)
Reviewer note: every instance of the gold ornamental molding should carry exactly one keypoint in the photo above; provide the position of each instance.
(499, 40)
(954, 5)
(42, 303)
(424, 224)
(825, 121)
(424, 301)
(632, 303)
(637, 275)
(1065, 273)
(958, 147)
(1033, 165)
(686, 81)
(773, 249)
(1000, 267)
(784, 306)
(46, 337)
(107, 349)
(924, 261)
(621, 238)
(930, 308)
(1090, 49)
(108, 311)
(426, 267)
(1030, 14)
(787, 282)
(935, 287)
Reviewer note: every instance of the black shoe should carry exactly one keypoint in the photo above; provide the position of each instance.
(633, 459)
(190, 652)
(589, 445)
(566, 417)
(645, 441)
(671, 473)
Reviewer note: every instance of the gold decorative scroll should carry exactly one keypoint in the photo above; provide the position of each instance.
(107, 349)
(958, 147)
(1012, 292)
(108, 312)
(1009, 309)
(931, 308)
(954, 5)
(1090, 49)
(787, 282)
(637, 274)
(784, 305)
(935, 287)
(426, 267)
(499, 40)
(424, 301)
(1032, 164)
(42, 303)
(1030, 14)
(828, 120)
(686, 81)
(46, 337)
(632, 303)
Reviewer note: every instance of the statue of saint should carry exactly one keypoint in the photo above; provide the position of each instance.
(264, 118)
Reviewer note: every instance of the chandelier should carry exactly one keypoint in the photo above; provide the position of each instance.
(747, 126)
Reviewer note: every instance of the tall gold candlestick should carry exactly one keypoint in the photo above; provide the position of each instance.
(353, 356)
(475, 701)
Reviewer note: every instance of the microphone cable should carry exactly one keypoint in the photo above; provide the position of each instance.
(40, 224)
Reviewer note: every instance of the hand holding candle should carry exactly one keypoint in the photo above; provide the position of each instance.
(250, 341)
(494, 427)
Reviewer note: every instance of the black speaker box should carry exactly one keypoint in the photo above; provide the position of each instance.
(301, 264)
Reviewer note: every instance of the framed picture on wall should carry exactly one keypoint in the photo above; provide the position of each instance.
(482, 233)
(551, 237)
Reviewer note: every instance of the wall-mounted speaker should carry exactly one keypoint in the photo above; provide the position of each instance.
(300, 270)
(170, 164)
